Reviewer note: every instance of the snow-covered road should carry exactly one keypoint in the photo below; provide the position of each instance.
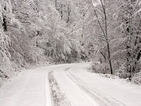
(74, 94)
(116, 90)
(36, 87)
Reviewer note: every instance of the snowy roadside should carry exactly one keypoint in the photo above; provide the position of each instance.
(27, 89)
(118, 89)
(36, 87)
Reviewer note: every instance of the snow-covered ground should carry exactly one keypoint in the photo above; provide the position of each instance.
(78, 86)
(119, 89)
(74, 94)
(30, 88)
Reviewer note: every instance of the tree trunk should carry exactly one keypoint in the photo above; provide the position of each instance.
(105, 32)
(4, 23)
(109, 57)
(106, 37)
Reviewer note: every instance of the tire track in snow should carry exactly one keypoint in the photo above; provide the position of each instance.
(58, 95)
(101, 98)
(75, 95)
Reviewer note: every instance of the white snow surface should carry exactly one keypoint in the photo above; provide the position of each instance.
(125, 92)
(31, 87)
(74, 94)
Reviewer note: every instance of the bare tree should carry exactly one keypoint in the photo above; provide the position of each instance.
(104, 28)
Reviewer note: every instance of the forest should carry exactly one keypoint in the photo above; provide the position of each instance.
(41, 32)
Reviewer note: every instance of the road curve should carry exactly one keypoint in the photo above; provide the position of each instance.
(75, 95)
(81, 88)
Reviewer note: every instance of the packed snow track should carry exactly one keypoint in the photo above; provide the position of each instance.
(68, 85)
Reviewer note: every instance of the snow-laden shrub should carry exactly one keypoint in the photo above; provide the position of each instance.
(98, 67)
(35, 55)
(137, 78)
(121, 72)
(5, 65)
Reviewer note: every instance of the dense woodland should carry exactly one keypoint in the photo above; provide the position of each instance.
(106, 32)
